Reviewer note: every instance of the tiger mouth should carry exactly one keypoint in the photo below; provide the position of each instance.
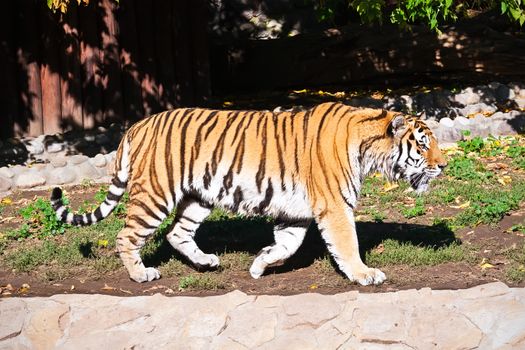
(419, 182)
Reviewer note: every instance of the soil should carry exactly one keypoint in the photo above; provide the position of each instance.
(302, 273)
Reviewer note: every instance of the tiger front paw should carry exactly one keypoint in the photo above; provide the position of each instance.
(145, 275)
(369, 276)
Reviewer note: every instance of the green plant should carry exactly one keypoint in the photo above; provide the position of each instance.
(417, 210)
(465, 168)
(204, 281)
(40, 221)
(473, 145)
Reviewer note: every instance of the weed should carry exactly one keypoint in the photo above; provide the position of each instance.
(417, 210)
(240, 261)
(465, 168)
(173, 267)
(475, 144)
(41, 221)
(395, 252)
(203, 281)
(516, 270)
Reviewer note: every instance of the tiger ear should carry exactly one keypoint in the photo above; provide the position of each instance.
(397, 125)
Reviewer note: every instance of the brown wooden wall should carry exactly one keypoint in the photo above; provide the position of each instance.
(99, 63)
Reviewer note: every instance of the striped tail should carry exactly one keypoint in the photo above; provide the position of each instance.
(115, 193)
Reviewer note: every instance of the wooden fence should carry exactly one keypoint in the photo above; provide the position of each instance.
(99, 63)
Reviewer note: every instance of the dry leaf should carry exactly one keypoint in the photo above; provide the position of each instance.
(379, 249)
(102, 243)
(24, 288)
(6, 201)
(390, 186)
(106, 287)
(461, 206)
(227, 103)
(505, 180)
(72, 287)
(485, 264)
(125, 291)
(313, 286)
(169, 291)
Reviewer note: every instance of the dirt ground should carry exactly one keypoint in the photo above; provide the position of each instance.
(304, 272)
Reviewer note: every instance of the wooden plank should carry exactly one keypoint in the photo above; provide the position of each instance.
(148, 69)
(90, 63)
(30, 121)
(200, 53)
(110, 76)
(9, 86)
(70, 83)
(49, 70)
(168, 87)
(182, 52)
(128, 50)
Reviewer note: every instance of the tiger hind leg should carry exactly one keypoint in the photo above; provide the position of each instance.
(129, 242)
(190, 214)
(288, 238)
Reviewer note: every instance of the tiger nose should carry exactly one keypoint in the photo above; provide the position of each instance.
(442, 165)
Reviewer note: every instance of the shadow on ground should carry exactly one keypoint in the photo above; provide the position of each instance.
(252, 234)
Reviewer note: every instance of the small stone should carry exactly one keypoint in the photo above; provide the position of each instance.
(520, 101)
(30, 179)
(35, 147)
(58, 162)
(89, 138)
(461, 122)
(467, 97)
(62, 176)
(55, 147)
(5, 183)
(6, 172)
(477, 108)
(521, 93)
(77, 159)
(446, 122)
(432, 124)
(99, 161)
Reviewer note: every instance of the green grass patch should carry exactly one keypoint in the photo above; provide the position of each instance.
(201, 281)
(516, 270)
(394, 252)
(417, 210)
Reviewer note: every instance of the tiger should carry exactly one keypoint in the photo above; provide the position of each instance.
(296, 167)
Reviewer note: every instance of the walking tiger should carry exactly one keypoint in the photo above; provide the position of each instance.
(293, 166)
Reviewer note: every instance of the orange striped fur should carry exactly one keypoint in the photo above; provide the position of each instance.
(294, 166)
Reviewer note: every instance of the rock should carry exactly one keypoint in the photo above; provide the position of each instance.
(447, 122)
(5, 183)
(504, 93)
(89, 138)
(408, 101)
(35, 146)
(77, 159)
(13, 313)
(520, 102)
(6, 172)
(86, 171)
(441, 100)
(46, 325)
(477, 108)
(462, 123)
(99, 161)
(55, 147)
(30, 179)
(448, 134)
(467, 97)
(61, 176)
(432, 124)
(500, 127)
(58, 162)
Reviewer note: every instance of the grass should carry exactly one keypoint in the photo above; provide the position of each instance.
(516, 271)
(393, 252)
(201, 281)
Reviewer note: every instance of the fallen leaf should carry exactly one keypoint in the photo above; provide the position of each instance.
(6, 201)
(390, 186)
(169, 291)
(24, 288)
(461, 206)
(227, 103)
(505, 180)
(497, 166)
(106, 287)
(360, 217)
(379, 249)
(102, 243)
(485, 264)
(125, 291)
(72, 287)
(303, 91)
(313, 286)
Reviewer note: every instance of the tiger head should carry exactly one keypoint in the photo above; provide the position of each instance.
(417, 157)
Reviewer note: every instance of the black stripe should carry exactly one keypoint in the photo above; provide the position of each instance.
(261, 171)
(113, 197)
(98, 214)
(116, 181)
(189, 219)
(382, 115)
(267, 197)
